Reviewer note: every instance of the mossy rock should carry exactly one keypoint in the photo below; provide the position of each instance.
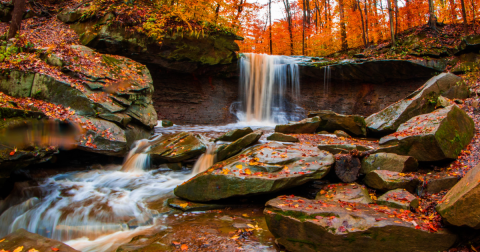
(234, 134)
(331, 121)
(398, 198)
(303, 225)
(351, 192)
(176, 148)
(260, 169)
(30, 241)
(304, 126)
(233, 148)
(280, 137)
(342, 148)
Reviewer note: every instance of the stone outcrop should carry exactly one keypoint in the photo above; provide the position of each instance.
(305, 225)
(460, 205)
(389, 162)
(305, 126)
(419, 102)
(331, 121)
(436, 136)
(260, 169)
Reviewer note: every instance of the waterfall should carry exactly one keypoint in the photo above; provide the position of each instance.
(206, 159)
(137, 159)
(265, 83)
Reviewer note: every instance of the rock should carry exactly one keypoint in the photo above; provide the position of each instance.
(342, 148)
(112, 144)
(331, 121)
(282, 137)
(441, 135)
(347, 167)
(304, 126)
(345, 192)
(167, 123)
(176, 148)
(323, 132)
(437, 182)
(180, 51)
(229, 150)
(468, 44)
(268, 168)
(419, 102)
(398, 198)
(330, 226)
(389, 162)
(188, 206)
(30, 241)
(70, 16)
(341, 133)
(443, 102)
(174, 166)
(387, 180)
(460, 205)
(234, 134)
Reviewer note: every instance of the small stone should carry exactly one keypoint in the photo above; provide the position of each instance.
(398, 198)
(341, 133)
(282, 137)
(167, 123)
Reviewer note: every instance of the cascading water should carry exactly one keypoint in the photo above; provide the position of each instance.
(269, 86)
(206, 159)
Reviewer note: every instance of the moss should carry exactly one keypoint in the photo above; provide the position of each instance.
(303, 242)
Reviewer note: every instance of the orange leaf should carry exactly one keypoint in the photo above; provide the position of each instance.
(184, 247)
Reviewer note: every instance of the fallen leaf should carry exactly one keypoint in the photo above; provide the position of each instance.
(184, 247)
(19, 249)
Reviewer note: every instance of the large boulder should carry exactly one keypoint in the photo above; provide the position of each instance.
(387, 180)
(234, 134)
(419, 102)
(331, 121)
(31, 242)
(260, 169)
(388, 161)
(181, 50)
(305, 126)
(226, 151)
(460, 206)
(305, 225)
(176, 148)
(345, 192)
(437, 136)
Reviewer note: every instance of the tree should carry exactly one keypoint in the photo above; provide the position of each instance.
(343, 29)
(464, 15)
(16, 23)
(390, 16)
(303, 27)
(363, 25)
(432, 19)
(289, 21)
(270, 20)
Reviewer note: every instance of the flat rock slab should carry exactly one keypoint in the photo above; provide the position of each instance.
(260, 169)
(389, 162)
(342, 148)
(228, 150)
(282, 137)
(27, 240)
(234, 134)
(389, 119)
(352, 192)
(398, 198)
(304, 126)
(387, 180)
(437, 182)
(436, 136)
(461, 205)
(331, 121)
(177, 147)
(306, 225)
(189, 206)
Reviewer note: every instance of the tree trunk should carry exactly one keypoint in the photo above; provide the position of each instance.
(432, 19)
(343, 29)
(16, 23)
(289, 21)
(366, 23)
(453, 10)
(363, 25)
(464, 15)
(473, 15)
(347, 167)
(303, 27)
(217, 10)
(409, 13)
(396, 17)
(270, 21)
(390, 16)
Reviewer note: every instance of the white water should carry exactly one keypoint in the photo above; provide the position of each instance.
(269, 87)
(207, 159)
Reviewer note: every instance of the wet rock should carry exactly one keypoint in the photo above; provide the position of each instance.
(260, 169)
(167, 123)
(347, 167)
(28, 241)
(437, 182)
(341, 133)
(436, 136)
(234, 134)
(176, 148)
(389, 162)
(189, 206)
(419, 102)
(282, 137)
(387, 180)
(345, 192)
(226, 151)
(310, 225)
(305, 126)
(113, 144)
(460, 206)
(342, 148)
(331, 121)
(174, 166)
(398, 198)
